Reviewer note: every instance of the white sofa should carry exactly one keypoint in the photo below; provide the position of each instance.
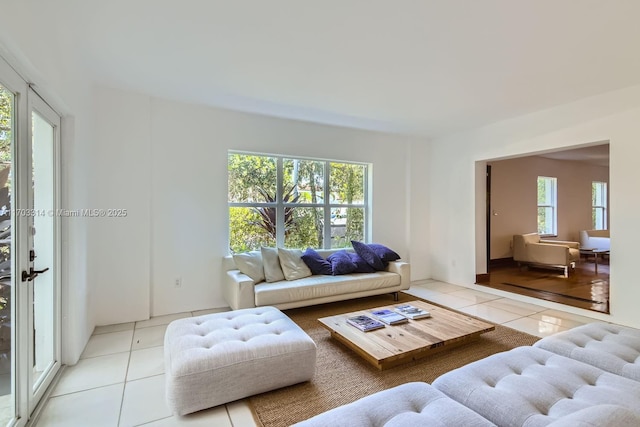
(241, 292)
(595, 239)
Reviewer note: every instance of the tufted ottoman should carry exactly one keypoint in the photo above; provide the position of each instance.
(613, 348)
(217, 358)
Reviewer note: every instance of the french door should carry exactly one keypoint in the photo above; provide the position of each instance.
(29, 247)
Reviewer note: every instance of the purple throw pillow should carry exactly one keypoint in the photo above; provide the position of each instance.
(368, 255)
(341, 263)
(316, 263)
(361, 265)
(385, 254)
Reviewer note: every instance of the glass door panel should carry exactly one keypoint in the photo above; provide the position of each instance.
(43, 248)
(7, 282)
(43, 240)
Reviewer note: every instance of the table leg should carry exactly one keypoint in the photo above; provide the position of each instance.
(595, 255)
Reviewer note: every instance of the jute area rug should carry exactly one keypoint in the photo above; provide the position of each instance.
(342, 376)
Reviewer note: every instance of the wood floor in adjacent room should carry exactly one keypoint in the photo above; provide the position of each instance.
(584, 288)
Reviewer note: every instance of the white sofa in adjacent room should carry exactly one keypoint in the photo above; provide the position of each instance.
(595, 239)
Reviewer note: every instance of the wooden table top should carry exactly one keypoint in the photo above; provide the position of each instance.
(415, 339)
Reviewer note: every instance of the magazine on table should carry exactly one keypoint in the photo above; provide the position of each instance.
(365, 323)
(389, 317)
(412, 312)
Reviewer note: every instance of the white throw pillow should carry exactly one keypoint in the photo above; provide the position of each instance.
(250, 263)
(292, 264)
(271, 262)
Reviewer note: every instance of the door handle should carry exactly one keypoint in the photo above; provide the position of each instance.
(32, 274)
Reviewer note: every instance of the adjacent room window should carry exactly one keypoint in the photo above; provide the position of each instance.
(599, 205)
(288, 202)
(547, 206)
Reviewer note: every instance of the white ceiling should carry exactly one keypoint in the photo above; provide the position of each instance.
(424, 67)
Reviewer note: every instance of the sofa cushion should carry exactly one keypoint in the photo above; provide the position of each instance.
(250, 263)
(341, 263)
(292, 264)
(386, 255)
(313, 287)
(271, 262)
(410, 404)
(613, 348)
(316, 263)
(528, 386)
(368, 255)
(361, 265)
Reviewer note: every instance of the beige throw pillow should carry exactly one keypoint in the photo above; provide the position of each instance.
(250, 263)
(292, 264)
(271, 262)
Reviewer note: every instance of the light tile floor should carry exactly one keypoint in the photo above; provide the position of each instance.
(119, 380)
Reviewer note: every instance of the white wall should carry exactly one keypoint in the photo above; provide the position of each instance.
(418, 221)
(30, 42)
(457, 235)
(173, 157)
(514, 198)
(119, 253)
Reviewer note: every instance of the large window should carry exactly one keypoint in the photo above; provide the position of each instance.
(287, 202)
(547, 206)
(599, 205)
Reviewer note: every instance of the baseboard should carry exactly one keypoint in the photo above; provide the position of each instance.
(482, 278)
(502, 262)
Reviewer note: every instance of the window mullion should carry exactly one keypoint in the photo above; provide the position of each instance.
(279, 203)
(327, 207)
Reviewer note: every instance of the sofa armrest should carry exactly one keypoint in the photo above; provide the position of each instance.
(238, 290)
(575, 245)
(404, 270)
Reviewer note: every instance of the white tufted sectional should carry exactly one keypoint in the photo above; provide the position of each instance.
(218, 358)
(526, 386)
(408, 405)
(610, 347)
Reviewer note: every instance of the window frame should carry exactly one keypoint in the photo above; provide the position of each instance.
(553, 205)
(603, 207)
(326, 204)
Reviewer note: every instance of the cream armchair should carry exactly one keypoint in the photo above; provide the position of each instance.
(530, 249)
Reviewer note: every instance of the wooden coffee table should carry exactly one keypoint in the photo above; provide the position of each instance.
(394, 345)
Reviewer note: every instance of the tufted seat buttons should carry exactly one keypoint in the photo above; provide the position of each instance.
(613, 348)
(541, 393)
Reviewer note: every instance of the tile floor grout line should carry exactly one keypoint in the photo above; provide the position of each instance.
(85, 389)
(102, 355)
(124, 387)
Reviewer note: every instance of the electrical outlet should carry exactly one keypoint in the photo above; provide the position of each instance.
(178, 282)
